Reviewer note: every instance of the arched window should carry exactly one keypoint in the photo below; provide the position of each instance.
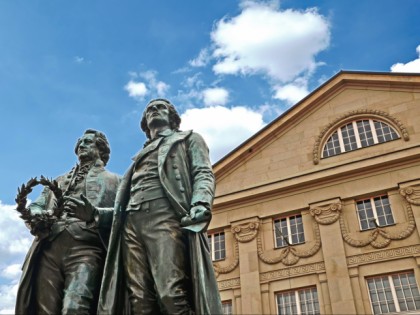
(358, 134)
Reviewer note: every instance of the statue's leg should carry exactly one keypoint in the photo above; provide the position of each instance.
(139, 281)
(49, 280)
(83, 267)
(167, 252)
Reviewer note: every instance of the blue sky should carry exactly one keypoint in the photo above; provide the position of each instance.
(230, 67)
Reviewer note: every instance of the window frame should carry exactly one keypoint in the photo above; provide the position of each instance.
(297, 301)
(375, 212)
(228, 303)
(342, 144)
(211, 236)
(393, 289)
(289, 232)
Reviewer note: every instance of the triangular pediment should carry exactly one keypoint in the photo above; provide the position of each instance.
(285, 147)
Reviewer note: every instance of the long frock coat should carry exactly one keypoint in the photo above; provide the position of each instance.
(187, 178)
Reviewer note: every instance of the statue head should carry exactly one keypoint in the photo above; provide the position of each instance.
(100, 144)
(174, 119)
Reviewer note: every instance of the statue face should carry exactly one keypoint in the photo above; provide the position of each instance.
(87, 149)
(157, 114)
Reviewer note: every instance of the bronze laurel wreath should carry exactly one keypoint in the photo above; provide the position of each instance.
(39, 224)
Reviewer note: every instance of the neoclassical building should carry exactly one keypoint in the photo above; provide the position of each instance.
(319, 212)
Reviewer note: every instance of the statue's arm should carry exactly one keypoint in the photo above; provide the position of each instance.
(202, 177)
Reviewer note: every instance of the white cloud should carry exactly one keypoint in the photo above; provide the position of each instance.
(291, 93)
(15, 238)
(262, 39)
(202, 60)
(222, 128)
(15, 241)
(136, 90)
(78, 59)
(7, 298)
(412, 66)
(215, 96)
(12, 271)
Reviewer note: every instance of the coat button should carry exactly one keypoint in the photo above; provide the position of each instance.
(181, 189)
(178, 177)
(175, 166)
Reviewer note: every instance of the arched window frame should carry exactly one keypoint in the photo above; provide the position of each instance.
(355, 116)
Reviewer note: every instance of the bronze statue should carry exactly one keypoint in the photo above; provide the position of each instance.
(63, 269)
(158, 258)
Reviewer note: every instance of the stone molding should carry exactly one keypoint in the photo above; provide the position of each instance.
(243, 233)
(293, 271)
(246, 232)
(384, 255)
(411, 195)
(289, 255)
(381, 237)
(361, 113)
(229, 284)
(327, 214)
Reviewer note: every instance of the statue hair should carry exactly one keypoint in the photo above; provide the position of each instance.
(101, 143)
(174, 118)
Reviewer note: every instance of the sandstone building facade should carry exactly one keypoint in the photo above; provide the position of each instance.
(319, 212)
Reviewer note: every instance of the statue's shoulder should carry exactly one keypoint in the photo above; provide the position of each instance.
(183, 134)
(195, 137)
(110, 175)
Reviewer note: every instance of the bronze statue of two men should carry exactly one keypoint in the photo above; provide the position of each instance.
(146, 250)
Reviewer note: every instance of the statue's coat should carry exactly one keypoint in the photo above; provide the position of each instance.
(101, 187)
(190, 182)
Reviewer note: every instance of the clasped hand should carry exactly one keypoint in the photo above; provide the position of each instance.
(80, 208)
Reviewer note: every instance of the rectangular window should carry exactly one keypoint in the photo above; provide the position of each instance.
(300, 302)
(394, 293)
(289, 230)
(374, 211)
(227, 307)
(217, 246)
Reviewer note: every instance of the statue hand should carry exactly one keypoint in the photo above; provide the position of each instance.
(198, 214)
(80, 208)
(39, 225)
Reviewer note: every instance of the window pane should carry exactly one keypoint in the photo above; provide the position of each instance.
(366, 216)
(280, 231)
(405, 288)
(349, 138)
(209, 242)
(365, 133)
(407, 291)
(385, 132)
(296, 230)
(286, 303)
(381, 295)
(306, 298)
(383, 211)
(332, 147)
(227, 307)
(219, 246)
(290, 228)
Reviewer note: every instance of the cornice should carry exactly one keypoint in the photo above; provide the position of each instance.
(335, 173)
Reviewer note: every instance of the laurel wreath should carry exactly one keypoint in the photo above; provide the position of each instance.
(39, 224)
